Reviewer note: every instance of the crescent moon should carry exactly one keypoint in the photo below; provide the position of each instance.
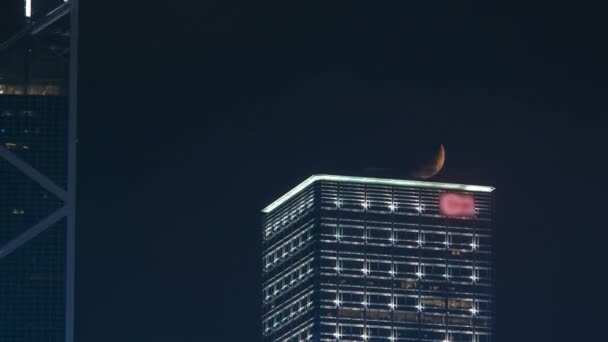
(433, 167)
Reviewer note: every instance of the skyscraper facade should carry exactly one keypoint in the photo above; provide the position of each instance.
(38, 73)
(379, 260)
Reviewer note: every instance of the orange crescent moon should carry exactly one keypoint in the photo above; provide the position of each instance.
(432, 168)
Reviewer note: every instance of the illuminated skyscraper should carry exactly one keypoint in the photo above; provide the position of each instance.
(38, 74)
(370, 259)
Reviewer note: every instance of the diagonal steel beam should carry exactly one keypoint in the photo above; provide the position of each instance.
(32, 173)
(37, 25)
(32, 232)
(51, 17)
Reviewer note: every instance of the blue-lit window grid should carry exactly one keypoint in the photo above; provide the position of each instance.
(357, 297)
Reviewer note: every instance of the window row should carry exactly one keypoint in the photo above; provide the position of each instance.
(410, 237)
(285, 221)
(389, 301)
(288, 216)
(287, 248)
(360, 332)
(414, 207)
(385, 196)
(383, 268)
(405, 223)
(288, 280)
(404, 318)
(300, 335)
(288, 313)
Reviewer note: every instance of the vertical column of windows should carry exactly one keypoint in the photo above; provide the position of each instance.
(446, 295)
(420, 271)
(393, 300)
(365, 269)
(338, 235)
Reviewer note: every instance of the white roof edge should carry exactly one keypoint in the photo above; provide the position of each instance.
(371, 180)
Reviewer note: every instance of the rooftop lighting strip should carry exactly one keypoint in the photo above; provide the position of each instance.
(378, 181)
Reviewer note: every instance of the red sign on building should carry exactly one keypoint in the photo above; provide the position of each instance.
(457, 204)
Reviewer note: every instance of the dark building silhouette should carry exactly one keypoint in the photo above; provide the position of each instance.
(371, 259)
(38, 74)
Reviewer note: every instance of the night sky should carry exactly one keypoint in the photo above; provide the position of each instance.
(194, 115)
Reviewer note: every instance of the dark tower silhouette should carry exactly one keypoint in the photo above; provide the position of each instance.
(38, 92)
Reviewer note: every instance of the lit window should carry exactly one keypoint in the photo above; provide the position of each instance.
(392, 206)
(365, 204)
(365, 270)
(17, 211)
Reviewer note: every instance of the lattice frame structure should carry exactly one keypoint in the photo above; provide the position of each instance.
(50, 192)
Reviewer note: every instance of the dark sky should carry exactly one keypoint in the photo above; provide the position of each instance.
(196, 114)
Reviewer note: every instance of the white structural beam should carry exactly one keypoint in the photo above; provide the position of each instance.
(28, 8)
(32, 173)
(32, 232)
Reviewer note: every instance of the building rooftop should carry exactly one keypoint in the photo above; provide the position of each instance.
(374, 181)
